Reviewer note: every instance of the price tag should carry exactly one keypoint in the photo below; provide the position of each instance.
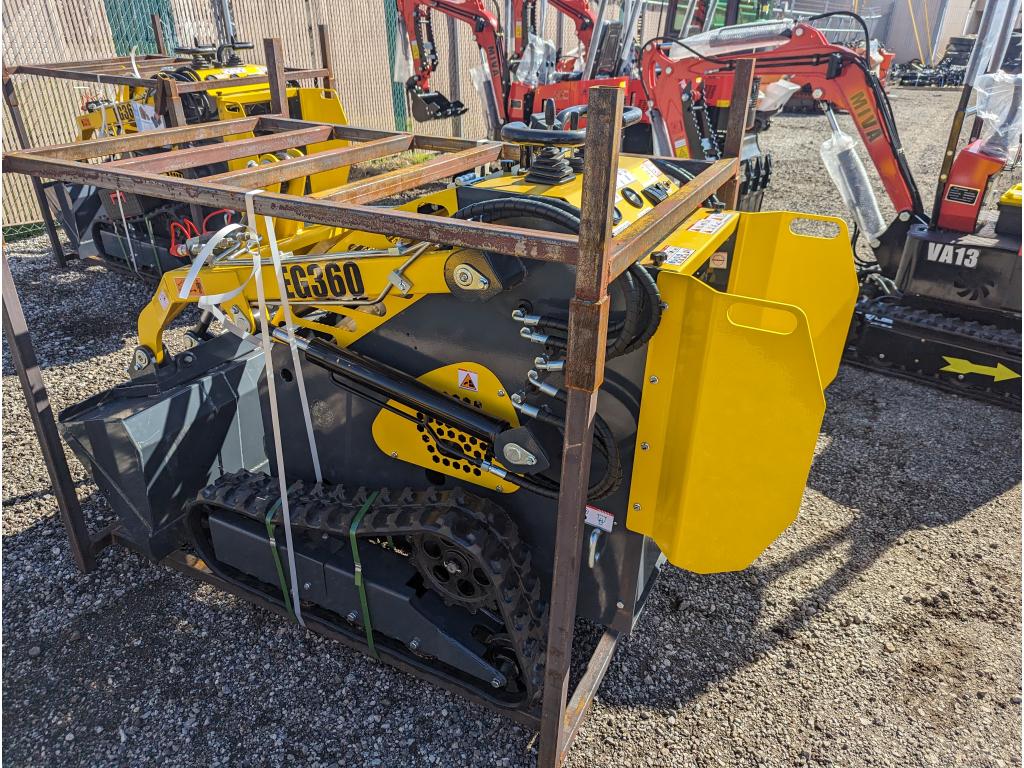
(598, 518)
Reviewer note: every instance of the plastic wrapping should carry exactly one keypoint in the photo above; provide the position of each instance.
(776, 95)
(999, 109)
(742, 37)
(401, 56)
(844, 165)
(481, 77)
(537, 63)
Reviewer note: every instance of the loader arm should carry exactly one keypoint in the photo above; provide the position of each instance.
(348, 284)
(419, 27)
(805, 57)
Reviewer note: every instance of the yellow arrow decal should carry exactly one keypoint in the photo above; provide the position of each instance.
(998, 372)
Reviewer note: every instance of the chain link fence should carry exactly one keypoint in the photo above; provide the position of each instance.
(364, 38)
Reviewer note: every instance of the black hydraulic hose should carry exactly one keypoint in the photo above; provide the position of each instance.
(859, 20)
(652, 304)
(630, 333)
(560, 215)
(604, 441)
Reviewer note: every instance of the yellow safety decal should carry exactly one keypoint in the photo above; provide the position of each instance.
(731, 409)
(476, 387)
(998, 372)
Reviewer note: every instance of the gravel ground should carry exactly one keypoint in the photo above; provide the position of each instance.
(882, 629)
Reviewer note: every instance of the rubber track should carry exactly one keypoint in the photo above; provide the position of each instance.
(1008, 338)
(476, 525)
(958, 329)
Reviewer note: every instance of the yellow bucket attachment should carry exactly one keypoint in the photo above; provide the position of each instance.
(733, 395)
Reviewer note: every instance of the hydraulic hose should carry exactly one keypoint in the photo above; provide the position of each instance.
(642, 314)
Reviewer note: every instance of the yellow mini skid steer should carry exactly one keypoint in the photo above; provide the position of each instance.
(409, 384)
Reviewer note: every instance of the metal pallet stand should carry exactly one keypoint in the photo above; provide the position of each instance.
(597, 257)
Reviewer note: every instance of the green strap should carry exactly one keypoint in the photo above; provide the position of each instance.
(367, 626)
(272, 539)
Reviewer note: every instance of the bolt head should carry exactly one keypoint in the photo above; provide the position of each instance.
(620, 605)
(499, 488)
(653, 379)
(501, 393)
(394, 454)
(306, 585)
(636, 507)
(645, 446)
(495, 683)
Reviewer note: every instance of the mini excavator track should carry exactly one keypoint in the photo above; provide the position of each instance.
(484, 538)
(921, 345)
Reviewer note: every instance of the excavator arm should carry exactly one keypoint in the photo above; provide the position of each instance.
(579, 12)
(804, 56)
(416, 14)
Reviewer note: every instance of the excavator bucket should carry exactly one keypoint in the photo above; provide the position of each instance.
(733, 394)
(431, 105)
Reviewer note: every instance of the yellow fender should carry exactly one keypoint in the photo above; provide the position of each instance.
(733, 393)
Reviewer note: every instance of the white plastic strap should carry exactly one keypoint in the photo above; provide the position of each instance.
(213, 301)
(275, 419)
(289, 325)
(127, 234)
(135, 68)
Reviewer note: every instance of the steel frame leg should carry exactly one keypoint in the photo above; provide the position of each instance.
(25, 363)
(584, 374)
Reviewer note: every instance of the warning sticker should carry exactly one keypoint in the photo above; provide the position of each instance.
(677, 255)
(194, 292)
(469, 380)
(623, 177)
(599, 519)
(719, 260)
(162, 298)
(651, 170)
(626, 223)
(965, 195)
(146, 118)
(711, 223)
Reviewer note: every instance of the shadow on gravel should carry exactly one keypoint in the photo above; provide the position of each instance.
(65, 327)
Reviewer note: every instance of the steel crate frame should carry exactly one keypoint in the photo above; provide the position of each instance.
(138, 73)
(597, 257)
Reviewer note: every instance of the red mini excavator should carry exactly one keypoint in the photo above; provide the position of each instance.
(607, 55)
(941, 301)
